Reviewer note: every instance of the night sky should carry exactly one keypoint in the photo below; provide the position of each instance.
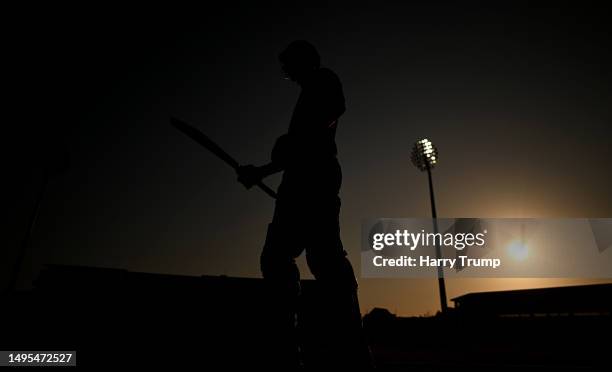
(516, 98)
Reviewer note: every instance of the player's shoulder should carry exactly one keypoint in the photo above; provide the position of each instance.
(326, 73)
(326, 76)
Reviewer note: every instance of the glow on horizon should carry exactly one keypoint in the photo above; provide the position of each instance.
(518, 250)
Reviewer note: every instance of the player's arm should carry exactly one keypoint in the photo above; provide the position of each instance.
(249, 175)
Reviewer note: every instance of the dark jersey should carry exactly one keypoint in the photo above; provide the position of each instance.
(312, 130)
(314, 120)
(309, 149)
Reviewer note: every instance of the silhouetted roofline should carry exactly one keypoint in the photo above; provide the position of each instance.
(534, 291)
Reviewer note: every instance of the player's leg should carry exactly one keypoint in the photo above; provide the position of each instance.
(336, 281)
(282, 281)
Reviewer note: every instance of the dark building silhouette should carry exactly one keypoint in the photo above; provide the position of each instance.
(217, 322)
(98, 280)
(582, 300)
(117, 317)
(523, 330)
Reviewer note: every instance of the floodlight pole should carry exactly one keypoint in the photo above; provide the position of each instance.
(434, 215)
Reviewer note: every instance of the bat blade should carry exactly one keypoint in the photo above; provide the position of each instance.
(203, 140)
(211, 146)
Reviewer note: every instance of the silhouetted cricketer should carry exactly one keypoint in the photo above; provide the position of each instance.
(306, 215)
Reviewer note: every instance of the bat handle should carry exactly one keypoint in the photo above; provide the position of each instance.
(266, 189)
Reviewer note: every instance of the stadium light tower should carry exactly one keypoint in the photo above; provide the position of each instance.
(425, 157)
